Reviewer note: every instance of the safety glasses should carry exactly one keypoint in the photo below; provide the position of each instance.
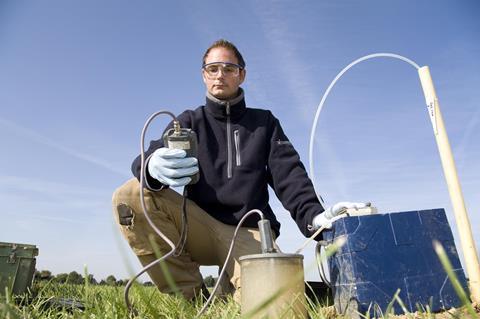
(213, 69)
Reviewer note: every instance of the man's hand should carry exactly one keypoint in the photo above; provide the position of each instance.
(324, 219)
(171, 167)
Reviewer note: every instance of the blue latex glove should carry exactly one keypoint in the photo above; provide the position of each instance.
(171, 167)
(324, 219)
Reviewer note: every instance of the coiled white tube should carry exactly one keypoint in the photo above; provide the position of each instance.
(324, 97)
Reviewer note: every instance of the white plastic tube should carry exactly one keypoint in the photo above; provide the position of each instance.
(324, 98)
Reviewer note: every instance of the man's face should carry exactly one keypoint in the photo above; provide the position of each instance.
(224, 85)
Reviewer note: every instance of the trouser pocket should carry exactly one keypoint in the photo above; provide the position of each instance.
(129, 216)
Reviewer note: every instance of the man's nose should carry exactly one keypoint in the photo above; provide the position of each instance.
(220, 73)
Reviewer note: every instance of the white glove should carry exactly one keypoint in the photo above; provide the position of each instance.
(324, 219)
(171, 167)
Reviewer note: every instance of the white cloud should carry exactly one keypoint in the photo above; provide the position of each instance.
(28, 199)
(293, 71)
(461, 151)
(36, 137)
(28, 223)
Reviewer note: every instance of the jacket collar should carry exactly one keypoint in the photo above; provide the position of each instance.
(218, 108)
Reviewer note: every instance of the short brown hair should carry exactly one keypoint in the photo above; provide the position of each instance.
(222, 43)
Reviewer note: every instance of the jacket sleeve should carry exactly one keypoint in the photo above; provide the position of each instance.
(150, 182)
(289, 179)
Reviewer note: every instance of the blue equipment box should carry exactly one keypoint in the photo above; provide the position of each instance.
(386, 252)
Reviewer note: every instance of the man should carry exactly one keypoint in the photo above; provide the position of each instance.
(240, 152)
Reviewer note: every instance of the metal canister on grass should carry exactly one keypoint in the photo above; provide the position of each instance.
(273, 285)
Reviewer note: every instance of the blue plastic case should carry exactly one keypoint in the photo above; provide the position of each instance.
(386, 252)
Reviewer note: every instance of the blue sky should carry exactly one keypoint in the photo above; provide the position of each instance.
(78, 79)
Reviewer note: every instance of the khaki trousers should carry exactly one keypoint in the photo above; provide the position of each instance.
(207, 241)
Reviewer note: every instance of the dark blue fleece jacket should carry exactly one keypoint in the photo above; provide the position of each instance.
(240, 152)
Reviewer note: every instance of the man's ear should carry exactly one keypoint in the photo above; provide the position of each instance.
(242, 75)
(204, 78)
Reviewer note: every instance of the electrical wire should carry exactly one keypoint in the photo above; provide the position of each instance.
(318, 231)
(176, 249)
(183, 233)
(212, 294)
(318, 258)
(318, 246)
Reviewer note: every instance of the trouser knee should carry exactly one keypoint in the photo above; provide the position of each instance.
(129, 215)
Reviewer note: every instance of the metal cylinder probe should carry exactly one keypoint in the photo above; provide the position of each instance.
(266, 238)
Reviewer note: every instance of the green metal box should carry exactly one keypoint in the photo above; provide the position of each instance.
(17, 267)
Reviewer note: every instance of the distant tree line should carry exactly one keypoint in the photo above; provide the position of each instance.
(209, 281)
(77, 279)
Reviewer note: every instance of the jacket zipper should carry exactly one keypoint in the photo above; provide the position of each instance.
(229, 143)
(236, 137)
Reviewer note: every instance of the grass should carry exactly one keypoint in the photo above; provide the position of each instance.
(55, 300)
(108, 302)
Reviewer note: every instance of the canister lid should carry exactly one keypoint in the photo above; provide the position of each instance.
(271, 255)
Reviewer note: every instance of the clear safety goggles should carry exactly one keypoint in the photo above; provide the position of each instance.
(228, 69)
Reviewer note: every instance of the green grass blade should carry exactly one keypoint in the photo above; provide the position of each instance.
(166, 272)
(442, 255)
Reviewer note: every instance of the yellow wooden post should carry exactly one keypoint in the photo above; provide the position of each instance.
(454, 189)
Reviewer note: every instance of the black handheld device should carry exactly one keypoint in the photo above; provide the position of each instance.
(184, 139)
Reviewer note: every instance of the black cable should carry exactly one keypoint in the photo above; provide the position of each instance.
(145, 212)
(318, 257)
(183, 233)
